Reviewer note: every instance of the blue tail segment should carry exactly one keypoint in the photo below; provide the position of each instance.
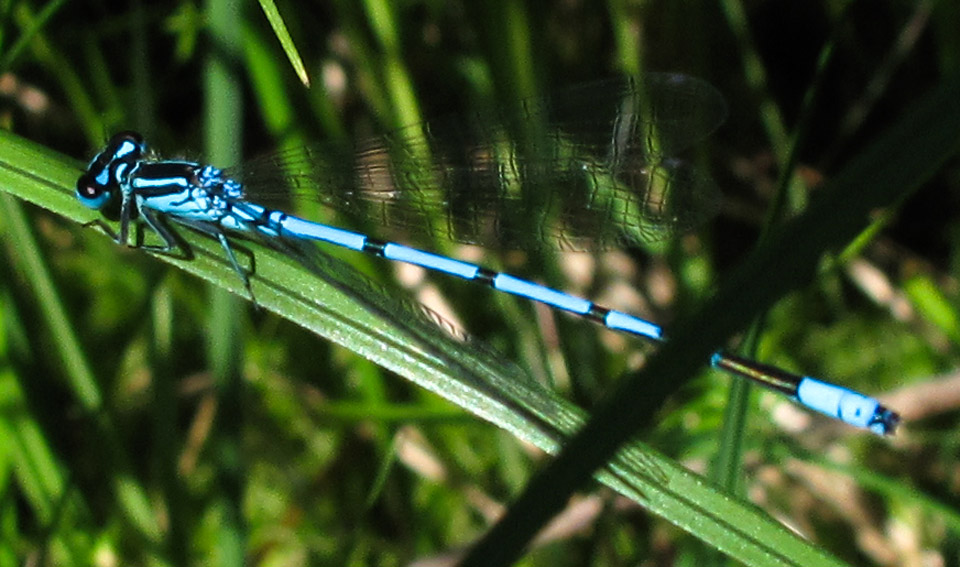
(429, 261)
(835, 401)
(128, 185)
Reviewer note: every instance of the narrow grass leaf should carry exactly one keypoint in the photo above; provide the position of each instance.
(283, 35)
(330, 299)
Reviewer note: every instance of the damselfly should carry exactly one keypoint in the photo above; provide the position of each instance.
(592, 167)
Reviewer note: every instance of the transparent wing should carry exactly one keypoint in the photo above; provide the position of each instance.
(594, 166)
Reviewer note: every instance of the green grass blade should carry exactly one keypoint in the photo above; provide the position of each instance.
(30, 261)
(344, 307)
(32, 29)
(223, 131)
(86, 389)
(286, 42)
(899, 161)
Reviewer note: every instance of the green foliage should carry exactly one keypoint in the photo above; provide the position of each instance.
(148, 417)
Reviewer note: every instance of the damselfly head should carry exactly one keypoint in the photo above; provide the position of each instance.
(107, 171)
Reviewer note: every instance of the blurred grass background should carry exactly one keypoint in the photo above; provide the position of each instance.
(199, 430)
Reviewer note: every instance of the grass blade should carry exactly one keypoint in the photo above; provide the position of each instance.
(357, 314)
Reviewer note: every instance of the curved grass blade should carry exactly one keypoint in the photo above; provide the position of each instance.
(342, 306)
